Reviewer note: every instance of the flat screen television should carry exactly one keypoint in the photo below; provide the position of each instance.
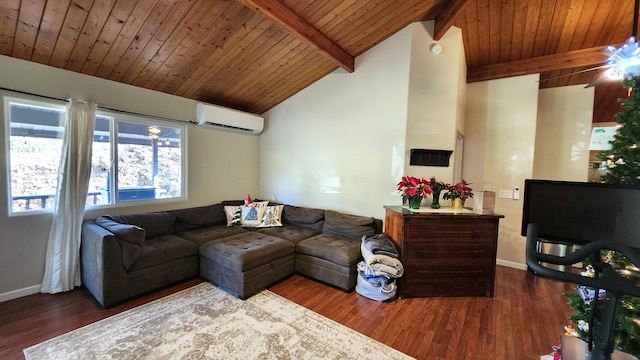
(580, 212)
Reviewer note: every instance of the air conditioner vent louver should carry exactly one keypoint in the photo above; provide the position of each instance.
(228, 119)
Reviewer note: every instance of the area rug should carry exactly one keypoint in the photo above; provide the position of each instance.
(204, 322)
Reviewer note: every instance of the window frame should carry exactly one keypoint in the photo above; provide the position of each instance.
(9, 97)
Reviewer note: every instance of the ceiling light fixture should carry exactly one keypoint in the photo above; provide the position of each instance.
(154, 132)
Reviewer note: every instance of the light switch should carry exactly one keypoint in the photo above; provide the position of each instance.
(505, 194)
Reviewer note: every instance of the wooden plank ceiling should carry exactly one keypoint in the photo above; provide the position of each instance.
(253, 54)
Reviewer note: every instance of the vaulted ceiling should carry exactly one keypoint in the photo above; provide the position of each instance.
(253, 54)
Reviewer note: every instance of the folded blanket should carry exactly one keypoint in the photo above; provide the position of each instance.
(368, 274)
(380, 244)
(382, 264)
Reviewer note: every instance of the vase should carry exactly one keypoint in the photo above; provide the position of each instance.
(414, 202)
(458, 204)
(435, 203)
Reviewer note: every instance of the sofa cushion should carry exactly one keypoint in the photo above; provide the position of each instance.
(201, 216)
(206, 234)
(291, 233)
(163, 249)
(352, 226)
(126, 232)
(336, 249)
(309, 218)
(154, 224)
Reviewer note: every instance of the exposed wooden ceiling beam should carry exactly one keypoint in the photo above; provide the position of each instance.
(448, 17)
(276, 11)
(570, 59)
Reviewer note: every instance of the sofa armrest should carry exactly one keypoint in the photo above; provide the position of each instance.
(103, 273)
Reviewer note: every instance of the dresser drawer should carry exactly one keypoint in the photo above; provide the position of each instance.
(449, 249)
(451, 229)
(445, 262)
(479, 269)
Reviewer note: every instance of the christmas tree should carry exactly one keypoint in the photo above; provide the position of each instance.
(621, 165)
(622, 161)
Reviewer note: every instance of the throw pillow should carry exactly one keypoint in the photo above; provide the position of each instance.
(233, 214)
(272, 216)
(252, 216)
(256, 203)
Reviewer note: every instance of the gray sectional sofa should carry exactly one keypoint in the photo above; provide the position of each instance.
(124, 256)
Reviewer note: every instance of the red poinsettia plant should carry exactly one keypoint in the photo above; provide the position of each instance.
(460, 190)
(411, 186)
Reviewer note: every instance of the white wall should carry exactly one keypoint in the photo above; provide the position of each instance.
(343, 142)
(437, 89)
(499, 150)
(339, 144)
(221, 165)
(565, 118)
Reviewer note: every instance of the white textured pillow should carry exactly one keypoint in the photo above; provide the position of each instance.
(252, 216)
(272, 216)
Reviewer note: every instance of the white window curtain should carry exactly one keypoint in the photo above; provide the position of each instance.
(62, 266)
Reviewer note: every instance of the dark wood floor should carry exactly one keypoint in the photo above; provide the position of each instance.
(522, 321)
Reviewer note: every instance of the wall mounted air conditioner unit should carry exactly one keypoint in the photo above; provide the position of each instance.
(228, 119)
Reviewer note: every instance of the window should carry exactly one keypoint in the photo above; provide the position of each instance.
(149, 153)
(35, 144)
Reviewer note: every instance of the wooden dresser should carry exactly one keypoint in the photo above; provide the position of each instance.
(444, 253)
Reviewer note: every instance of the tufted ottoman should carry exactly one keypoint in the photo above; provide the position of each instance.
(245, 263)
(330, 258)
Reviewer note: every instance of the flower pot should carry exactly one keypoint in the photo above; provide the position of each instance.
(414, 202)
(458, 204)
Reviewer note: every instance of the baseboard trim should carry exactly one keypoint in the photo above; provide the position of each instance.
(19, 293)
(511, 264)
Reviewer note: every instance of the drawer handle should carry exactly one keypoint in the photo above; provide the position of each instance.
(423, 271)
(477, 271)
(423, 251)
(478, 251)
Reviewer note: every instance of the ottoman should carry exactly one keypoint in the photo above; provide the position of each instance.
(246, 263)
(330, 258)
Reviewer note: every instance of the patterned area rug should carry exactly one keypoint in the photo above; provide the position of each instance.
(204, 322)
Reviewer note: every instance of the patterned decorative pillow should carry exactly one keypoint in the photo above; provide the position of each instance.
(256, 203)
(272, 216)
(233, 214)
(252, 216)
